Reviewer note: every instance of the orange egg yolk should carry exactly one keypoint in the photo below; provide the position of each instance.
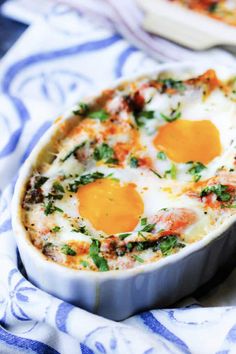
(187, 140)
(109, 206)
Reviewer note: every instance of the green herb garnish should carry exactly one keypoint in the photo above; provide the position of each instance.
(196, 167)
(138, 259)
(73, 151)
(161, 155)
(143, 221)
(133, 162)
(130, 246)
(54, 196)
(172, 117)
(155, 173)
(213, 7)
(172, 172)
(81, 229)
(85, 179)
(147, 114)
(83, 109)
(168, 243)
(140, 117)
(56, 229)
(104, 152)
(123, 236)
(66, 249)
(100, 262)
(172, 84)
(219, 190)
(233, 206)
(146, 227)
(101, 115)
(58, 187)
(50, 208)
(140, 246)
(84, 263)
(196, 178)
(57, 192)
(39, 181)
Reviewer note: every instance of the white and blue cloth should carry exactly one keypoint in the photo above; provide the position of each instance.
(62, 57)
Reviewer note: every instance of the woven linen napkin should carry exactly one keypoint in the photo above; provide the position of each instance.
(49, 69)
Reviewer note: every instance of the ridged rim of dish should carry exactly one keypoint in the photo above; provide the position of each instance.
(26, 170)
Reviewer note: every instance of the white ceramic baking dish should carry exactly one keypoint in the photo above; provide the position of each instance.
(119, 294)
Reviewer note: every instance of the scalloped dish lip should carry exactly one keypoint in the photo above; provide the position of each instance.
(22, 236)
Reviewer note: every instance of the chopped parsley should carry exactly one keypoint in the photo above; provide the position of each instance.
(170, 83)
(140, 246)
(82, 110)
(143, 221)
(123, 236)
(213, 7)
(195, 169)
(172, 117)
(168, 243)
(73, 151)
(133, 162)
(90, 177)
(84, 263)
(138, 259)
(50, 208)
(66, 249)
(155, 173)
(57, 192)
(56, 229)
(196, 178)
(220, 190)
(85, 179)
(39, 181)
(100, 115)
(146, 227)
(58, 187)
(130, 246)
(100, 262)
(81, 229)
(161, 155)
(165, 244)
(140, 117)
(172, 172)
(104, 152)
(147, 114)
(233, 206)
(54, 196)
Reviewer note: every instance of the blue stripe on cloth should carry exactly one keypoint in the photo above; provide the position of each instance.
(151, 322)
(231, 336)
(28, 345)
(62, 314)
(21, 108)
(52, 55)
(5, 226)
(122, 60)
(12, 143)
(85, 349)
